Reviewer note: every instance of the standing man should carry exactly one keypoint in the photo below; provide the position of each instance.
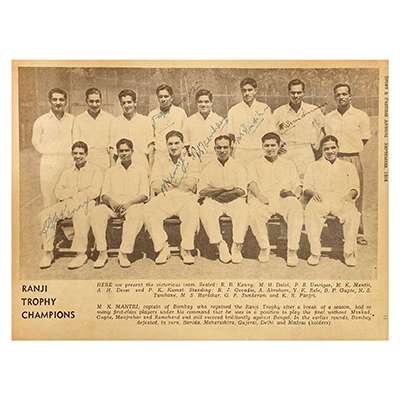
(52, 138)
(274, 188)
(248, 121)
(332, 186)
(135, 127)
(125, 189)
(223, 184)
(200, 128)
(93, 127)
(351, 127)
(165, 118)
(300, 126)
(77, 188)
(174, 182)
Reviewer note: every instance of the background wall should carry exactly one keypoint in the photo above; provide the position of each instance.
(223, 83)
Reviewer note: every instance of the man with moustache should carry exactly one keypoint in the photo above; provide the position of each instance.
(223, 184)
(300, 125)
(135, 127)
(52, 138)
(77, 188)
(331, 185)
(247, 123)
(352, 128)
(124, 192)
(274, 188)
(173, 181)
(93, 127)
(165, 118)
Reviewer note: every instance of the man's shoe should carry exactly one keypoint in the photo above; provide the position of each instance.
(224, 254)
(163, 255)
(292, 259)
(123, 260)
(78, 261)
(45, 262)
(101, 260)
(361, 240)
(237, 253)
(263, 257)
(187, 257)
(350, 259)
(313, 259)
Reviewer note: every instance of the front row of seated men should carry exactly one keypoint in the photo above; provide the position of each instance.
(272, 184)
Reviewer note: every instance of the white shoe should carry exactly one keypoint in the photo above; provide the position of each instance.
(292, 259)
(313, 259)
(350, 259)
(237, 253)
(224, 254)
(163, 255)
(78, 261)
(187, 257)
(123, 260)
(45, 262)
(263, 257)
(101, 260)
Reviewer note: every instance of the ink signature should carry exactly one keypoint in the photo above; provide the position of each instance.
(291, 124)
(251, 129)
(172, 180)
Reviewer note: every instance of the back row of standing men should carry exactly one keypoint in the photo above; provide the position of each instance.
(300, 125)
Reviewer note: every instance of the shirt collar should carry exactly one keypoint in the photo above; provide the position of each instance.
(52, 115)
(348, 112)
(84, 168)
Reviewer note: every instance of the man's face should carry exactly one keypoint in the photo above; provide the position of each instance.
(270, 147)
(342, 96)
(94, 103)
(223, 149)
(296, 94)
(175, 146)
(330, 150)
(128, 105)
(165, 99)
(248, 93)
(204, 104)
(124, 152)
(79, 156)
(58, 102)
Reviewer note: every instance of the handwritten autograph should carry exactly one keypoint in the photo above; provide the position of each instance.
(291, 124)
(251, 129)
(172, 179)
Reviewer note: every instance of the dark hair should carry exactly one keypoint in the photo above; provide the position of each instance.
(296, 82)
(174, 133)
(127, 92)
(340, 85)
(226, 137)
(203, 92)
(328, 138)
(271, 135)
(57, 90)
(165, 87)
(124, 141)
(92, 90)
(81, 145)
(248, 81)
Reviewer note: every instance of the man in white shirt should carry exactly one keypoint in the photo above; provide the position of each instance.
(174, 182)
(352, 128)
(124, 192)
(332, 186)
(274, 188)
(135, 127)
(52, 138)
(200, 129)
(165, 118)
(77, 189)
(248, 121)
(93, 128)
(300, 125)
(223, 184)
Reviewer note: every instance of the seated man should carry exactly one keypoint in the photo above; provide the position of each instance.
(274, 188)
(174, 181)
(223, 184)
(332, 185)
(77, 188)
(124, 191)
